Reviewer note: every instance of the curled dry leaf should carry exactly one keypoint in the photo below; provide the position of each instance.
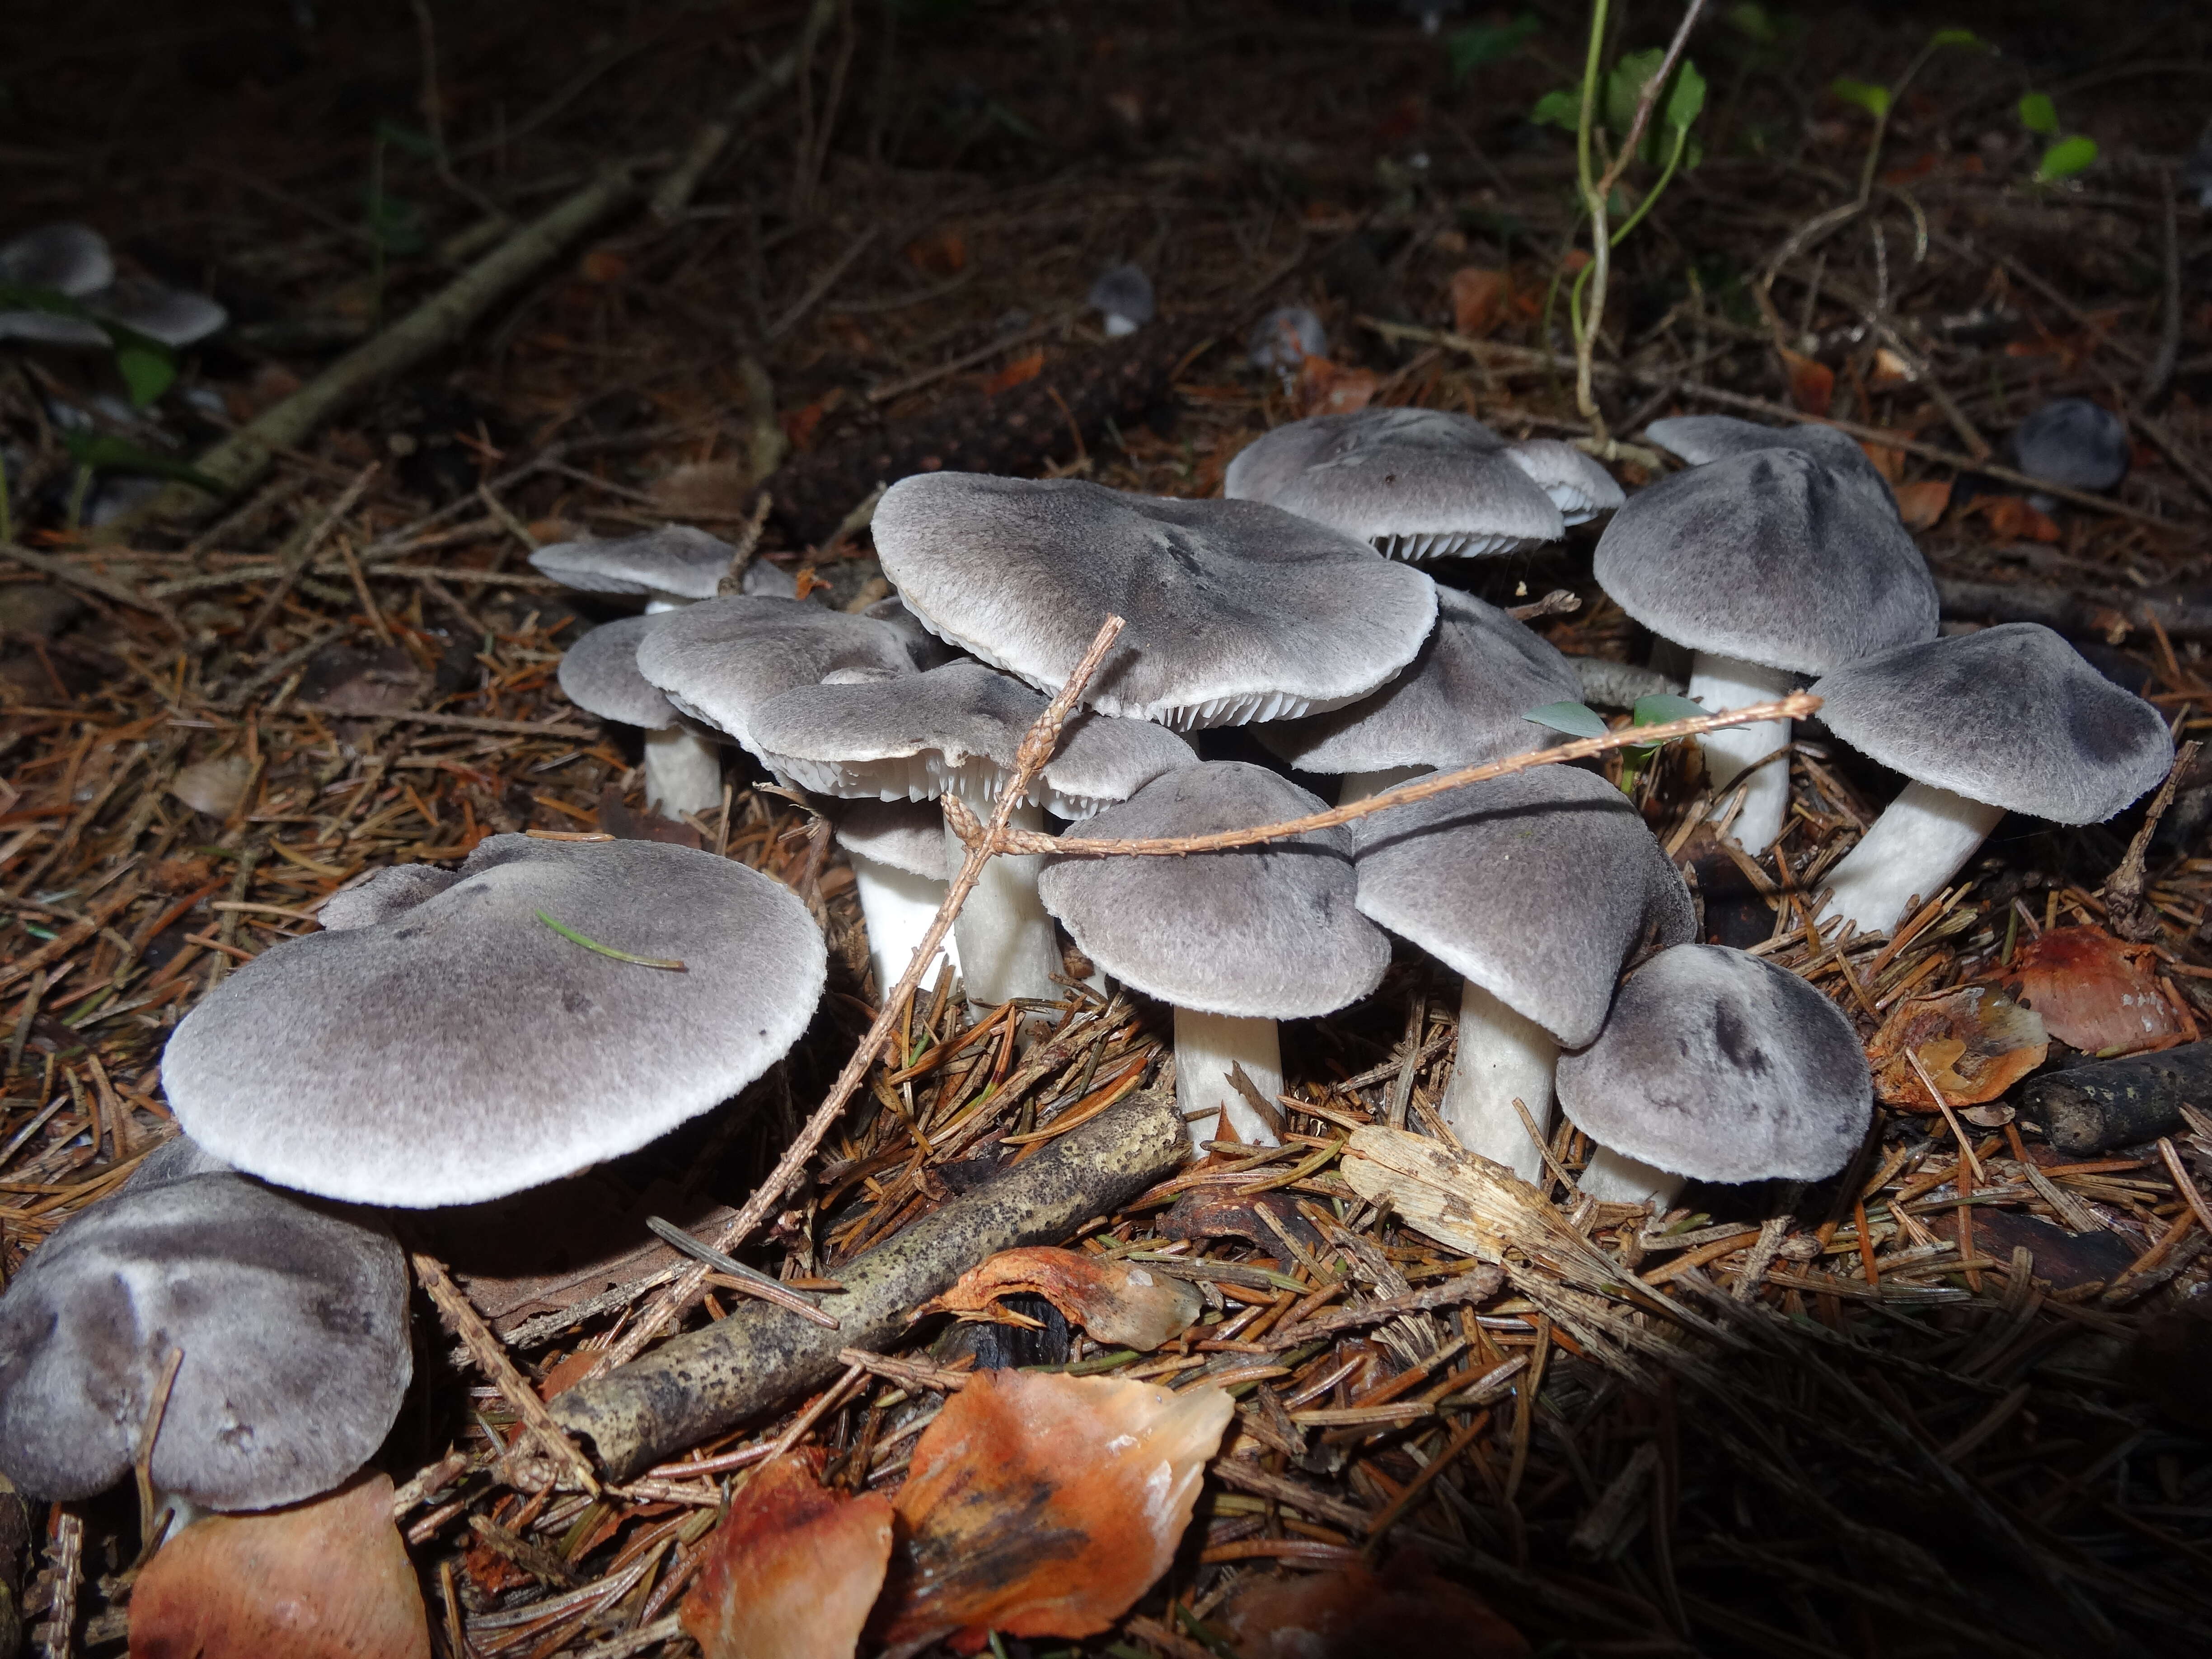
(328, 1579)
(1326, 388)
(1479, 299)
(792, 1569)
(1921, 505)
(2093, 992)
(1027, 366)
(1975, 1042)
(1121, 1303)
(1812, 383)
(1042, 1505)
(213, 787)
(1357, 1612)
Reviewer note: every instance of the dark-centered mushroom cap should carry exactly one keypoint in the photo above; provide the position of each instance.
(1718, 1066)
(2011, 717)
(1269, 931)
(720, 660)
(599, 674)
(1419, 483)
(292, 1318)
(2075, 442)
(907, 835)
(1237, 612)
(70, 258)
(1462, 700)
(461, 1049)
(1578, 486)
(1700, 440)
(957, 729)
(675, 559)
(1772, 556)
(1538, 886)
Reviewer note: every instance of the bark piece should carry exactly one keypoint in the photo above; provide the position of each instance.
(2119, 1102)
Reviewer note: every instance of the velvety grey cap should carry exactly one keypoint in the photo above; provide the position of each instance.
(907, 835)
(1417, 483)
(1702, 439)
(71, 258)
(1237, 612)
(2075, 442)
(957, 729)
(720, 660)
(1125, 292)
(173, 316)
(1715, 1065)
(1539, 886)
(1268, 932)
(461, 1050)
(292, 1317)
(1578, 486)
(676, 559)
(599, 674)
(1772, 556)
(386, 893)
(924, 647)
(1462, 700)
(2011, 717)
(770, 581)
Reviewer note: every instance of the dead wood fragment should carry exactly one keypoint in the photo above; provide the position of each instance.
(2119, 1102)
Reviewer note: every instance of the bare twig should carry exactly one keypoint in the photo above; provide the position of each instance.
(675, 191)
(62, 570)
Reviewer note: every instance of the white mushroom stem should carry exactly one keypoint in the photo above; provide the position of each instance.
(1502, 1057)
(1207, 1047)
(1358, 786)
(898, 908)
(660, 602)
(1613, 1178)
(1005, 939)
(1724, 683)
(682, 772)
(1923, 839)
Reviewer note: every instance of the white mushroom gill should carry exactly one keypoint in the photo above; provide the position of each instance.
(1207, 1046)
(1721, 684)
(1922, 839)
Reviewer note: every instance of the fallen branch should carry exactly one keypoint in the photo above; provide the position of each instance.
(2068, 610)
(2091, 1109)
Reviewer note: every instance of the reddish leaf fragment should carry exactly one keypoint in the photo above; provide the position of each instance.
(792, 1569)
(1974, 1044)
(2094, 993)
(1812, 384)
(1921, 505)
(1123, 1303)
(940, 253)
(1326, 388)
(1479, 299)
(2012, 519)
(1042, 1505)
(1356, 1612)
(1027, 366)
(328, 1579)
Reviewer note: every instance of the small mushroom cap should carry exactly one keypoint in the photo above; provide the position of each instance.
(1462, 700)
(1700, 440)
(1285, 338)
(720, 660)
(2011, 717)
(1235, 611)
(924, 647)
(461, 1050)
(907, 835)
(70, 258)
(1538, 886)
(1578, 486)
(1268, 932)
(675, 559)
(171, 315)
(292, 1318)
(1125, 292)
(51, 328)
(1419, 483)
(955, 729)
(1771, 555)
(1720, 1066)
(2075, 442)
(599, 674)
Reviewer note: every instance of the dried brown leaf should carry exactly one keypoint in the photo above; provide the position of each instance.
(213, 787)
(1356, 1612)
(2093, 992)
(792, 1568)
(1975, 1042)
(1118, 1302)
(1479, 299)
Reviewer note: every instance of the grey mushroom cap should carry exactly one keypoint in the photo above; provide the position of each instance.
(292, 1318)
(676, 559)
(2011, 717)
(907, 835)
(1538, 886)
(1462, 700)
(1235, 611)
(2075, 442)
(599, 674)
(461, 1049)
(720, 660)
(1578, 486)
(383, 896)
(924, 647)
(68, 258)
(51, 328)
(1125, 292)
(1417, 483)
(1268, 932)
(1772, 556)
(957, 729)
(1701, 439)
(173, 316)
(1285, 338)
(1718, 1066)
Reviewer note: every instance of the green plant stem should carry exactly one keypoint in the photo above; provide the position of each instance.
(1582, 276)
(575, 937)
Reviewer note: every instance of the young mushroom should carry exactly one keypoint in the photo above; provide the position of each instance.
(1536, 888)
(1284, 338)
(672, 566)
(457, 1036)
(897, 849)
(1700, 440)
(72, 261)
(599, 674)
(2009, 718)
(2075, 442)
(1234, 940)
(1124, 296)
(1716, 1065)
(1767, 564)
(290, 1318)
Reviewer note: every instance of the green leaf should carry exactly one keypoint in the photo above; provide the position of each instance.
(1686, 99)
(1751, 22)
(1659, 710)
(1562, 108)
(148, 366)
(1575, 718)
(1954, 37)
(1476, 48)
(1874, 100)
(2038, 114)
(2066, 158)
(1626, 85)
(103, 451)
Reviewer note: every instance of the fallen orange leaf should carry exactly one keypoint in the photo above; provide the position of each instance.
(1123, 1303)
(2011, 518)
(1920, 505)
(1974, 1044)
(328, 1579)
(1889, 462)
(1480, 299)
(1356, 1612)
(2092, 992)
(1043, 1505)
(792, 1568)
(939, 253)
(1022, 369)
(1812, 383)
(1324, 388)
